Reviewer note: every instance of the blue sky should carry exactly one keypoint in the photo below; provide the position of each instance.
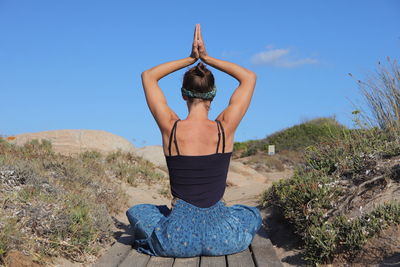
(76, 64)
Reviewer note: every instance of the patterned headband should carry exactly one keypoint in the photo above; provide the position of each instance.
(208, 95)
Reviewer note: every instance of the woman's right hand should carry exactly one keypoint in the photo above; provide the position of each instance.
(195, 46)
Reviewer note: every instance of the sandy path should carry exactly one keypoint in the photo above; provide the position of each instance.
(246, 185)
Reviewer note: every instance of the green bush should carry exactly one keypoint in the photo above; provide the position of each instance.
(345, 236)
(247, 148)
(82, 225)
(239, 146)
(131, 168)
(320, 242)
(312, 132)
(353, 154)
(295, 138)
(303, 199)
(307, 200)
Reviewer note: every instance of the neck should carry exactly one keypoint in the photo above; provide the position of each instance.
(198, 110)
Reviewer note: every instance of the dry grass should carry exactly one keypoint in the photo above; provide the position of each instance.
(55, 205)
(282, 160)
(381, 92)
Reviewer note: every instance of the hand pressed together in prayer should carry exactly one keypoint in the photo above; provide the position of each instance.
(198, 47)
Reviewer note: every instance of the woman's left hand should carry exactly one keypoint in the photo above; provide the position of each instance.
(195, 46)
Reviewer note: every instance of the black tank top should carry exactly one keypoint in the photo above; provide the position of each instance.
(199, 180)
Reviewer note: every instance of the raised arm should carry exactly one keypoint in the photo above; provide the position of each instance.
(155, 98)
(241, 97)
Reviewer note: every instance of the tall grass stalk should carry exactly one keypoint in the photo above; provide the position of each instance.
(381, 92)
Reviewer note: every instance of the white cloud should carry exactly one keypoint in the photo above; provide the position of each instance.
(279, 58)
(230, 54)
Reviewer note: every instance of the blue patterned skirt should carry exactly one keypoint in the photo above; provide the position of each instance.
(187, 230)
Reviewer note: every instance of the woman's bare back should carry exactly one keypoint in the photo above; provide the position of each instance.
(197, 138)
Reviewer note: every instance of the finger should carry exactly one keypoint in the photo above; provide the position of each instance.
(195, 33)
(200, 37)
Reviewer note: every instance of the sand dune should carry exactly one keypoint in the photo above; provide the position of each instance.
(70, 142)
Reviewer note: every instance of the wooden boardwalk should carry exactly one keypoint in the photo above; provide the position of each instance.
(259, 254)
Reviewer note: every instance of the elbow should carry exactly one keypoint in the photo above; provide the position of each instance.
(252, 75)
(145, 74)
(148, 75)
(249, 77)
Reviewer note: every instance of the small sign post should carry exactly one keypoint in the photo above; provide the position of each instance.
(271, 149)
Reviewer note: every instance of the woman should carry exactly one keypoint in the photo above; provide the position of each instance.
(199, 223)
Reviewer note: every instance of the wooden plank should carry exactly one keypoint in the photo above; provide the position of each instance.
(213, 261)
(187, 262)
(160, 262)
(114, 255)
(241, 259)
(135, 259)
(264, 254)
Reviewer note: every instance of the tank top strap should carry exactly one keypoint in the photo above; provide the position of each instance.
(219, 136)
(223, 136)
(173, 135)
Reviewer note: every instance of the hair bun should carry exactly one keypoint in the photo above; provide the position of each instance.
(200, 69)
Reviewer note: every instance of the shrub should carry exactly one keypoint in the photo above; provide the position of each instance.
(303, 199)
(296, 138)
(131, 168)
(353, 154)
(306, 201)
(346, 236)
